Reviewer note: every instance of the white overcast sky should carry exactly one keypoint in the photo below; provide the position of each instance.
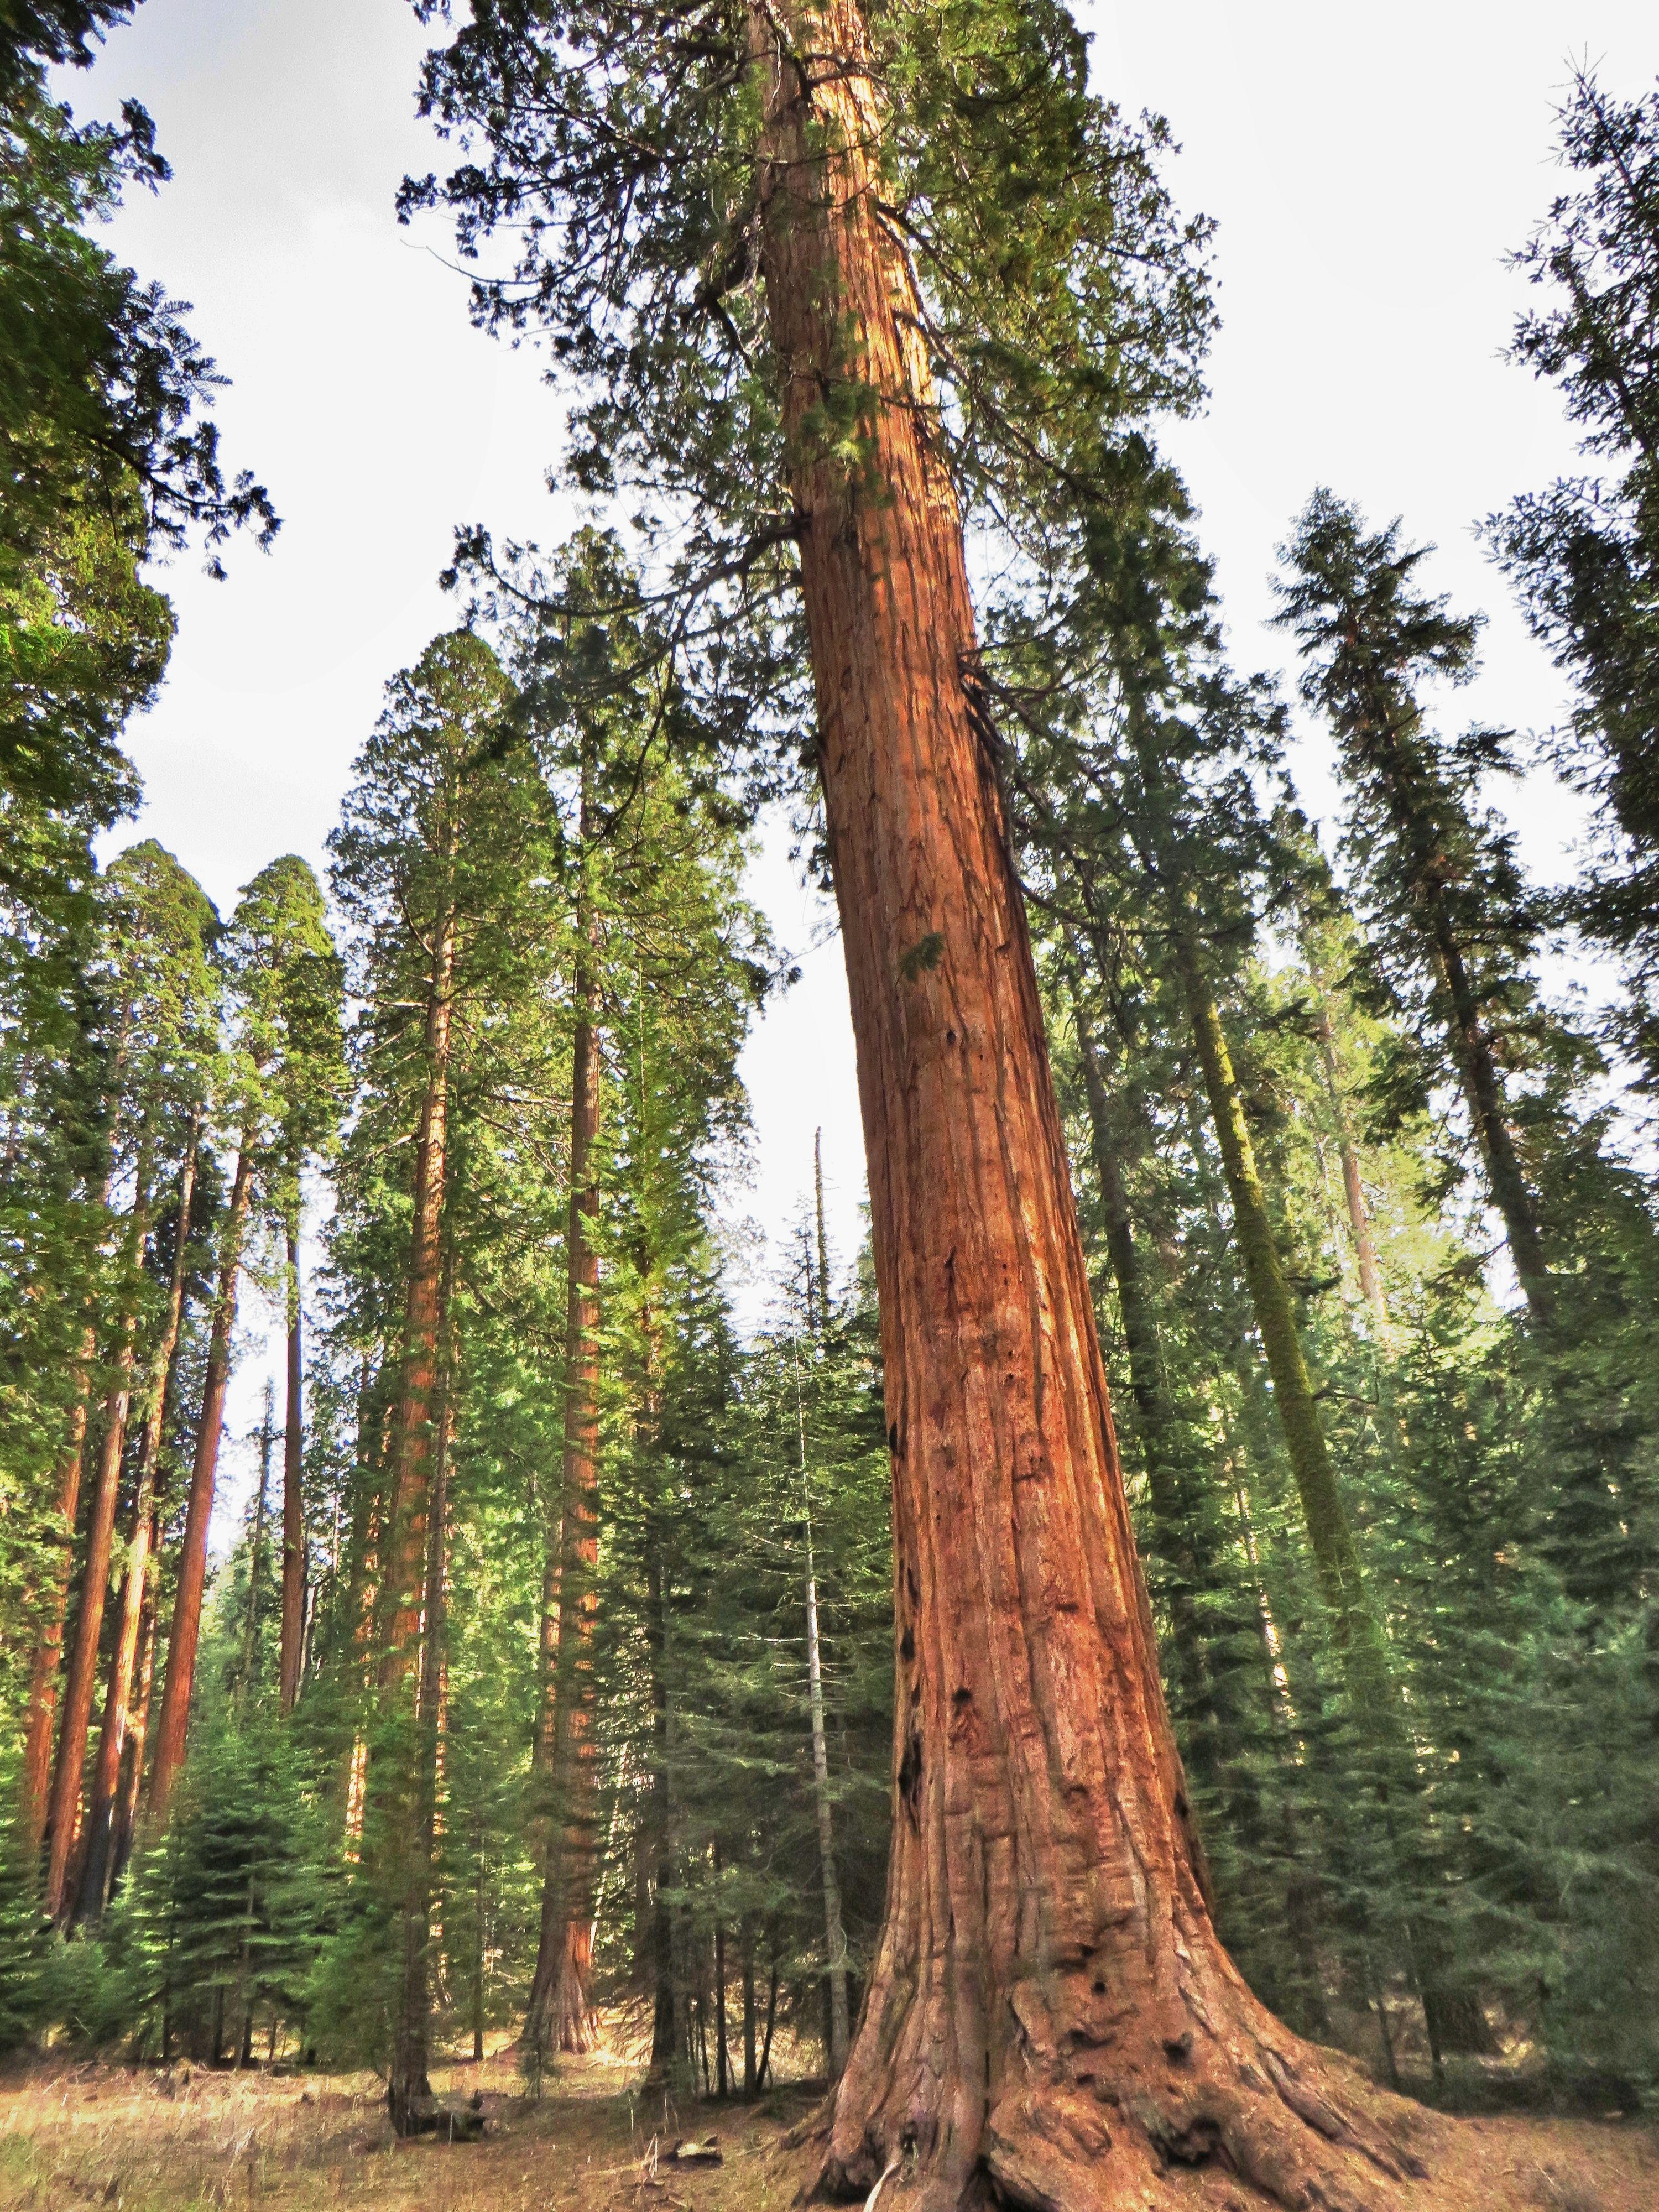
(1369, 168)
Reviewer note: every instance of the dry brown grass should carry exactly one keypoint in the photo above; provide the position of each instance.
(192, 2141)
(137, 2141)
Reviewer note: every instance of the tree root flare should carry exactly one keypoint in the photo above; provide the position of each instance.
(1291, 2131)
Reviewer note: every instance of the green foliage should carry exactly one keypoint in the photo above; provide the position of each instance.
(220, 1927)
(1584, 553)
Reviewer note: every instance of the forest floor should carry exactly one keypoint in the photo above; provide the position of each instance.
(191, 2140)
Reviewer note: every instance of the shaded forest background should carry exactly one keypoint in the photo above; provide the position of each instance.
(552, 1668)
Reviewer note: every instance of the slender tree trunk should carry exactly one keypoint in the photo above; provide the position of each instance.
(764, 2067)
(1049, 2005)
(407, 1544)
(722, 2057)
(560, 2012)
(1359, 1638)
(478, 1896)
(835, 1938)
(837, 2023)
(824, 1240)
(1173, 1512)
(256, 1562)
(411, 2050)
(132, 1753)
(1483, 1090)
(1353, 1190)
(1452, 2014)
(37, 1768)
(80, 1684)
(294, 1504)
(49, 1650)
(664, 2028)
(179, 1681)
(750, 2078)
(98, 1861)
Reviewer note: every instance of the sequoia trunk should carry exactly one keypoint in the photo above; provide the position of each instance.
(179, 1679)
(98, 1860)
(1048, 2004)
(80, 1684)
(48, 1651)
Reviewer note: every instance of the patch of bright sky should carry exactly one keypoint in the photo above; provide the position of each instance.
(1369, 167)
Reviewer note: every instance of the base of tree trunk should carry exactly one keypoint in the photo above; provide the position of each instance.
(566, 2021)
(425, 2116)
(1081, 2096)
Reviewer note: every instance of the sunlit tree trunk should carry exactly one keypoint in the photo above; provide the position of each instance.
(1048, 2006)
(81, 1682)
(49, 1649)
(98, 1860)
(179, 1679)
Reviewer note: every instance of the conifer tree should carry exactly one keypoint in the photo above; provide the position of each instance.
(160, 924)
(280, 975)
(1453, 926)
(292, 985)
(793, 134)
(433, 865)
(1584, 553)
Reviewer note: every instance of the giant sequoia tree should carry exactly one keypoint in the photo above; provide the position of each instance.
(769, 231)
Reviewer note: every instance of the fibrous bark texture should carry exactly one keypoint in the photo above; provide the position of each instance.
(1048, 2010)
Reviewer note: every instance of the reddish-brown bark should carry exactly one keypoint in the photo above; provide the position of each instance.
(97, 1862)
(132, 1753)
(48, 1651)
(179, 1679)
(560, 2009)
(294, 1508)
(1049, 2010)
(413, 2048)
(81, 1682)
(405, 1550)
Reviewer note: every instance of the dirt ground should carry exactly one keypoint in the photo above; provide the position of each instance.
(189, 2141)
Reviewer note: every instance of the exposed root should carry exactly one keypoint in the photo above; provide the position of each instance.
(1255, 2116)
